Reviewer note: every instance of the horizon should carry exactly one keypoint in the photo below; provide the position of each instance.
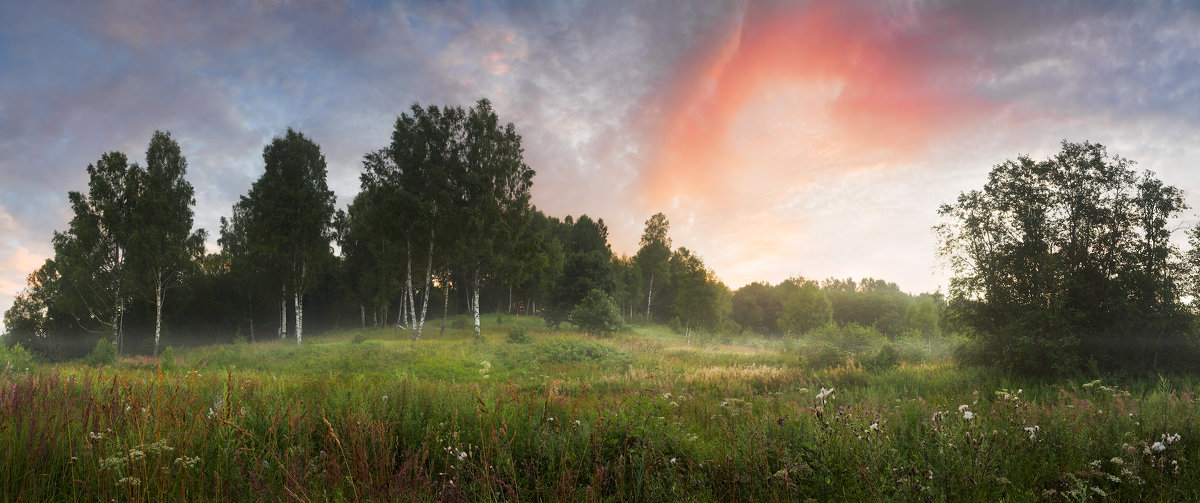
(780, 139)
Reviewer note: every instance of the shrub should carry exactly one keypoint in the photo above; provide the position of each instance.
(167, 359)
(15, 358)
(853, 339)
(821, 354)
(675, 325)
(358, 338)
(597, 314)
(103, 353)
(888, 358)
(517, 335)
(560, 351)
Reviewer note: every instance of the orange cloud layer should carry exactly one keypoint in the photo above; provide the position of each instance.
(861, 78)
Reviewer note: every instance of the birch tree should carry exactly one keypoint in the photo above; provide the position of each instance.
(91, 254)
(291, 210)
(653, 256)
(163, 246)
(493, 199)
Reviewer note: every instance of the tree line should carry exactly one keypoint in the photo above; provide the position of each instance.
(1061, 265)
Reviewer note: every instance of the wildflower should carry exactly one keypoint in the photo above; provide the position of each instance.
(968, 414)
(385, 398)
(577, 423)
(1170, 439)
(462, 455)
(1158, 447)
(1117, 461)
(1032, 431)
(672, 460)
(874, 427)
(962, 407)
(825, 393)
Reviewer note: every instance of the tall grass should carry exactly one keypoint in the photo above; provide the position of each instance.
(638, 417)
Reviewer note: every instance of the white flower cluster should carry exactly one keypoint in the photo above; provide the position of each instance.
(1032, 431)
(966, 413)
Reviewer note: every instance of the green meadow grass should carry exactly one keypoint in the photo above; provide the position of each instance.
(369, 415)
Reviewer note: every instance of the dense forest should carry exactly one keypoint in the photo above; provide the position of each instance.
(1059, 265)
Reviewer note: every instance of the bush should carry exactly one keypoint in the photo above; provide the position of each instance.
(517, 335)
(675, 325)
(358, 338)
(560, 351)
(821, 354)
(167, 359)
(103, 353)
(597, 314)
(15, 358)
(888, 358)
(853, 339)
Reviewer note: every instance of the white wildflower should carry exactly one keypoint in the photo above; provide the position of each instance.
(825, 393)
(1158, 447)
(672, 460)
(963, 407)
(1032, 431)
(1170, 439)
(874, 427)
(968, 414)
(1117, 461)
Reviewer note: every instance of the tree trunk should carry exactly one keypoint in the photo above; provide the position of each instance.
(445, 307)
(419, 321)
(475, 302)
(283, 315)
(158, 302)
(299, 300)
(649, 296)
(362, 313)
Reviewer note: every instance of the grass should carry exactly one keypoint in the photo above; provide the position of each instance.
(368, 415)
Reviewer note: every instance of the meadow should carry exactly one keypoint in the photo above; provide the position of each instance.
(368, 415)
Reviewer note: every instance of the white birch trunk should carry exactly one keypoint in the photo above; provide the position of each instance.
(419, 322)
(362, 313)
(158, 302)
(299, 300)
(649, 296)
(408, 288)
(282, 316)
(445, 306)
(475, 301)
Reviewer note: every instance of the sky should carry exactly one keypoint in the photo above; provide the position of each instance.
(780, 138)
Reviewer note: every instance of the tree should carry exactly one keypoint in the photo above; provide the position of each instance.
(805, 307)
(291, 212)
(757, 307)
(597, 314)
(493, 197)
(653, 254)
(163, 248)
(90, 256)
(701, 301)
(1066, 261)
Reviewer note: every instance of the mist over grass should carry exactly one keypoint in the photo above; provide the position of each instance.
(369, 415)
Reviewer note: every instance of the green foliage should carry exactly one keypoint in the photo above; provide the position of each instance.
(103, 353)
(358, 338)
(597, 314)
(757, 307)
(15, 358)
(821, 354)
(853, 339)
(518, 335)
(675, 325)
(167, 359)
(887, 358)
(1068, 260)
(566, 351)
(805, 307)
